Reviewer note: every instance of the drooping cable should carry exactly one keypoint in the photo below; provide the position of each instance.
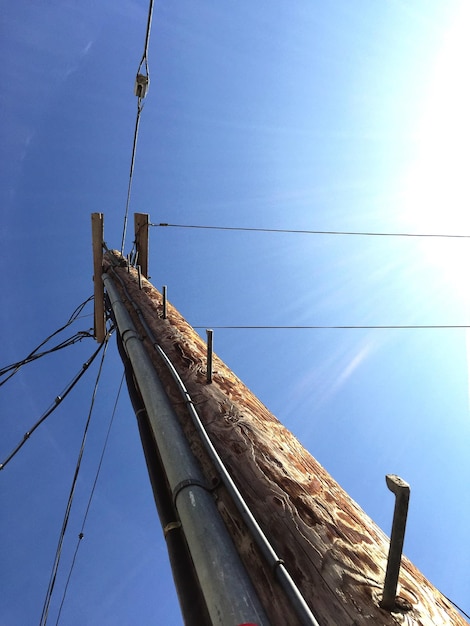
(33, 355)
(92, 493)
(141, 88)
(55, 567)
(314, 232)
(70, 341)
(53, 407)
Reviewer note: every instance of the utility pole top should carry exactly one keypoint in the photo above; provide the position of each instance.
(141, 230)
(97, 234)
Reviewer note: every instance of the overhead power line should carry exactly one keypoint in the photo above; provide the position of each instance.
(58, 400)
(70, 341)
(144, 59)
(34, 354)
(342, 327)
(55, 567)
(313, 232)
(92, 493)
(142, 82)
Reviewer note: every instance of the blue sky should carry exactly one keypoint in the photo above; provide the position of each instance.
(344, 116)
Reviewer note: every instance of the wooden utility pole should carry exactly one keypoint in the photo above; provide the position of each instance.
(335, 554)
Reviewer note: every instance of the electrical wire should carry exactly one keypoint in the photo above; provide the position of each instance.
(70, 341)
(140, 106)
(313, 232)
(147, 39)
(81, 534)
(456, 606)
(343, 327)
(33, 355)
(55, 566)
(131, 172)
(54, 406)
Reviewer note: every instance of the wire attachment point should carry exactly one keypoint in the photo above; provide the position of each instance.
(141, 86)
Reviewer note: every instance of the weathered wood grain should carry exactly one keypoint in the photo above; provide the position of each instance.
(334, 551)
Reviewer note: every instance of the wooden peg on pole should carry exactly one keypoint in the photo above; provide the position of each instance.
(141, 229)
(97, 234)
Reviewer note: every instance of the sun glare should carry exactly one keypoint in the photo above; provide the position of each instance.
(437, 185)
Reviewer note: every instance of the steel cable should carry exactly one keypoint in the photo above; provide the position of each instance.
(55, 567)
(58, 400)
(92, 493)
(313, 232)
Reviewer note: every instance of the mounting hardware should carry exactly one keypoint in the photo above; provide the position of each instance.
(401, 489)
(164, 302)
(141, 85)
(210, 334)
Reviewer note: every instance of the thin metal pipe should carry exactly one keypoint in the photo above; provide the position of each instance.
(401, 489)
(292, 591)
(231, 598)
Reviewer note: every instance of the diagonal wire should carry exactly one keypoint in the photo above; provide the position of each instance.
(55, 567)
(457, 606)
(147, 38)
(70, 341)
(140, 106)
(34, 353)
(53, 407)
(313, 232)
(344, 327)
(82, 529)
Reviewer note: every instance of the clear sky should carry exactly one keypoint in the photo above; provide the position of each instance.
(339, 116)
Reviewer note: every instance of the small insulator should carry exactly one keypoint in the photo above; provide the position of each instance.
(141, 85)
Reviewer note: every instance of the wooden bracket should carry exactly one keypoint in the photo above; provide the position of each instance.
(141, 229)
(97, 236)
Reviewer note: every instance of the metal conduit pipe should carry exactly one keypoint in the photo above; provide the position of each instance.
(191, 599)
(292, 591)
(285, 579)
(231, 598)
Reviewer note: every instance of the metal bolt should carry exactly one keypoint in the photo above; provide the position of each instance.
(209, 354)
(401, 489)
(164, 302)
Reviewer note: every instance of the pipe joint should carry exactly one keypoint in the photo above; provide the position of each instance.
(189, 482)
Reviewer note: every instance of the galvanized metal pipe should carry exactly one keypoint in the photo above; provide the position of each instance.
(230, 598)
(277, 564)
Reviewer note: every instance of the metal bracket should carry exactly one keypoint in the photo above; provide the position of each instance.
(141, 85)
(210, 334)
(401, 489)
(164, 302)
